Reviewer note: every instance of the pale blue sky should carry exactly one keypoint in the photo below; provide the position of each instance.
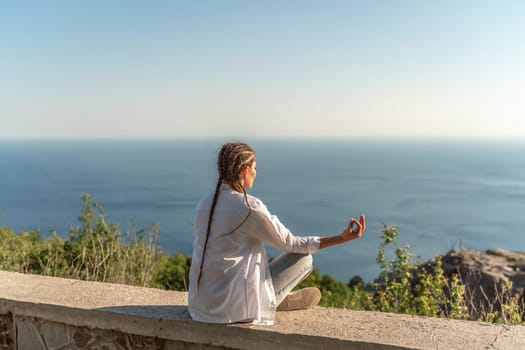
(262, 68)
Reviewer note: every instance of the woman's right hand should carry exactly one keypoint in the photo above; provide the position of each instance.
(355, 229)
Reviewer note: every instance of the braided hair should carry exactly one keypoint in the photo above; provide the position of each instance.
(232, 159)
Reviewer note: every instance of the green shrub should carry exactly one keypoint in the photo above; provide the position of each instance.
(98, 251)
(511, 311)
(336, 293)
(172, 272)
(93, 251)
(406, 286)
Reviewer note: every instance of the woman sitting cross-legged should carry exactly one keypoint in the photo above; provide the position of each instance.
(230, 277)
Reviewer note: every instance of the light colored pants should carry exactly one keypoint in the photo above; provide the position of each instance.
(288, 270)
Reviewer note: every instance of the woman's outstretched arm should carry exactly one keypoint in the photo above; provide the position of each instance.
(354, 230)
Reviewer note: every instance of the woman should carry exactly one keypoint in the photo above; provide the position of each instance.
(230, 278)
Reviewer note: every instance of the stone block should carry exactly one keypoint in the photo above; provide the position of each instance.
(28, 337)
(82, 337)
(7, 338)
(56, 335)
(177, 345)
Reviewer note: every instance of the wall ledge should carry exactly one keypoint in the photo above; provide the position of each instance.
(163, 315)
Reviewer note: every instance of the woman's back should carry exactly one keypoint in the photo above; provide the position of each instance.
(235, 284)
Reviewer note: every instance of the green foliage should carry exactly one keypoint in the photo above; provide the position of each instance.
(30, 252)
(406, 286)
(94, 251)
(336, 293)
(98, 251)
(172, 272)
(510, 312)
(356, 282)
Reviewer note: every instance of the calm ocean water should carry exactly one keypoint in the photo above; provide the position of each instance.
(441, 194)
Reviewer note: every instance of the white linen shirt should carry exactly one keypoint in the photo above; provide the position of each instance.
(236, 285)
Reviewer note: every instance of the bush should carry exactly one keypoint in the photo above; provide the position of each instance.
(172, 272)
(406, 286)
(336, 293)
(98, 251)
(94, 251)
(511, 310)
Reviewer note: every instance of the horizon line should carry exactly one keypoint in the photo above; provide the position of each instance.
(269, 137)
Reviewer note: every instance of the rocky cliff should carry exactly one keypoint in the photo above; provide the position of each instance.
(485, 275)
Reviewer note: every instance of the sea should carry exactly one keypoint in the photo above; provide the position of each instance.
(442, 194)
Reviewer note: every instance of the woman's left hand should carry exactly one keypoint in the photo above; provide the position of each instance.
(355, 229)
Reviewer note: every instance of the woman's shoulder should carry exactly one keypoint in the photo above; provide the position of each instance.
(232, 199)
(257, 204)
(205, 201)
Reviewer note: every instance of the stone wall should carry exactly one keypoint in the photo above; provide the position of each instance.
(39, 334)
(7, 332)
(46, 313)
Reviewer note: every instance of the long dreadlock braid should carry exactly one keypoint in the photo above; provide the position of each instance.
(233, 158)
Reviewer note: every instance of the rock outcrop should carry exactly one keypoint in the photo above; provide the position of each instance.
(485, 275)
